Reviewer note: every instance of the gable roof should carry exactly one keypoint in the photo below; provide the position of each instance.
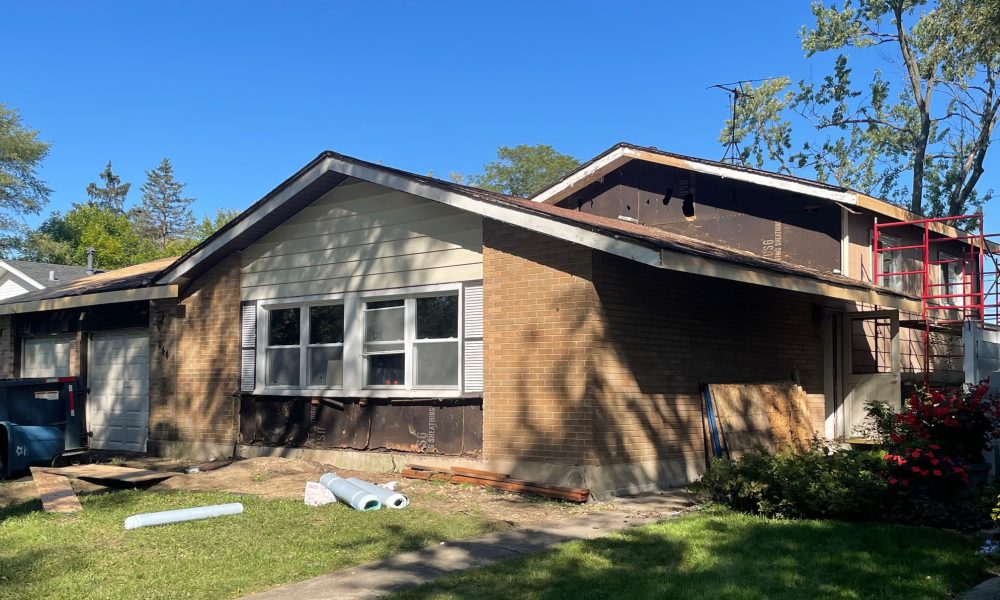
(121, 285)
(37, 273)
(623, 152)
(636, 242)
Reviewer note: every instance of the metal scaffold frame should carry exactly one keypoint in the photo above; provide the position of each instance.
(944, 310)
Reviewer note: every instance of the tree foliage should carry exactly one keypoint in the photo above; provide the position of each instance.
(21, 191)
(165, 214)
(524, 170)
(114, 192)
(916, 135)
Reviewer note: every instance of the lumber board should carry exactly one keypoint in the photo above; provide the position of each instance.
(761, 416)
(480, 473)
(56, 493)
(521, 488)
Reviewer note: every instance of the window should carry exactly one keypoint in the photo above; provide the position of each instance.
(890, 262)
(424, 328)
(320, 330)
(402, 343)
(953, 276)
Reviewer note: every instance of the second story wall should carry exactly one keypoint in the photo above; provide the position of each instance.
(767, 222)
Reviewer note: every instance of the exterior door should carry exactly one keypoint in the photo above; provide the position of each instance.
(118, 404)
(871, 365)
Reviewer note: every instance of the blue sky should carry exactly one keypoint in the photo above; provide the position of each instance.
(239, 95)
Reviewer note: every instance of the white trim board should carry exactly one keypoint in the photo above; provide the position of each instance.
(18, 273)
(147, 293)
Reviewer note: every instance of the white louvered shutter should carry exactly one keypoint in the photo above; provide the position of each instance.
(248, 347)
(473, 323)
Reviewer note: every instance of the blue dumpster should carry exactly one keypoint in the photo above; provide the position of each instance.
(40, 420)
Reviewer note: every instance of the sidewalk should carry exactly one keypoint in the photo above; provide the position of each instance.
(409, 569)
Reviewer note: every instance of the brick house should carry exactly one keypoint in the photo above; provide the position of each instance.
(565, 338)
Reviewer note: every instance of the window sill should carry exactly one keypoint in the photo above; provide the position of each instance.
(370, 393)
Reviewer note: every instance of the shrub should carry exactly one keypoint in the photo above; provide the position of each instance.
(815, 482)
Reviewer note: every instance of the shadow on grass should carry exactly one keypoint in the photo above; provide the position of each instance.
(734, 556)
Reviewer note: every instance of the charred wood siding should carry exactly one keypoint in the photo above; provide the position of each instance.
(770, 223)
(455, 428)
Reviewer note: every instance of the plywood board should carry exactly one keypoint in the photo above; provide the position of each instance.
(761, 416)
(111, 475)
(55, 491)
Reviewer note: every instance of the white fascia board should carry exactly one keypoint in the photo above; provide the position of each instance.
(612, 160)
(17, 273)
(252, 219)
(95, 299)
(621, 155)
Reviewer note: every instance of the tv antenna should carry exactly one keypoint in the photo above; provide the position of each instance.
(736, 90)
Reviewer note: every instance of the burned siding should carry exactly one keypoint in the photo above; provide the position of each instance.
(452, 428)
(770, 223)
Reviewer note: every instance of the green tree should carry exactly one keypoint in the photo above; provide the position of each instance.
(523, 170)
(21, 191)
(114, 192)
(917, 134)
(64, 239)
(165, 214)
(210, 224)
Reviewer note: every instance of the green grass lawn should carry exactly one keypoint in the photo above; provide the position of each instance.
(90, 555)
(733, 556)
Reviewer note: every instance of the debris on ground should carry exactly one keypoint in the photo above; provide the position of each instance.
(180, 515)
(500, 481)
(317, 494)
(113, 476)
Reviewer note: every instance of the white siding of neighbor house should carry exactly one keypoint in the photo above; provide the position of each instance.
(11, 286)
(362, 236)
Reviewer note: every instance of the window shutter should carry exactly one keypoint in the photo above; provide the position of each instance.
(248, 347)
(473, 323)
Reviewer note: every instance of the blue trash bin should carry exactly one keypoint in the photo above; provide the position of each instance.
(40, 420)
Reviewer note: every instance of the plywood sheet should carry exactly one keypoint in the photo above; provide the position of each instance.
(55, 491)
(761, 416)
(111, 475)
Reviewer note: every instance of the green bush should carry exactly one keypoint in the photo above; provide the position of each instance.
(812, 483)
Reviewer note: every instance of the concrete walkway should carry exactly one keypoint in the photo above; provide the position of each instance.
(409, 569)
(987, 590)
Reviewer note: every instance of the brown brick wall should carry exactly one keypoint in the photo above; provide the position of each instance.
(195, 360)
(592, 359)
(7, 353)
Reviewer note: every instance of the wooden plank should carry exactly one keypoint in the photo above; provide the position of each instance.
(111, 474)
(522, 488)
(761, 416)
(56, 493)
(480, 473)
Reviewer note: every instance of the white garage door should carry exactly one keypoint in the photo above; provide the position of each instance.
(45, 357)
(118, 405)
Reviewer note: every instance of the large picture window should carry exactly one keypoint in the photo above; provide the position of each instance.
(363, 344)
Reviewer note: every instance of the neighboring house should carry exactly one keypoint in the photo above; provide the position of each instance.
(563, 338)
(20, 276)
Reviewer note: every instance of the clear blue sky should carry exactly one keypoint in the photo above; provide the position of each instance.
(240, 95)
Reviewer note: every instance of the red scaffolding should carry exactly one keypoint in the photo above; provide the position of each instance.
(966, 289)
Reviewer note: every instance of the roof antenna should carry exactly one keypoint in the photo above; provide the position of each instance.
(736, 90)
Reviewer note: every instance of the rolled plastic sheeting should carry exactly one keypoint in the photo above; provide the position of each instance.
(350, 494)
(387, 497)
(182, 514)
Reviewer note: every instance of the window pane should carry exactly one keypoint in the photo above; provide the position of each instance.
(437, 317)
(384, 304)
(283, 327)
(387, 369)
(326, 366)
(383, 325)
(437, 364)
(326, 324)
(283, 366)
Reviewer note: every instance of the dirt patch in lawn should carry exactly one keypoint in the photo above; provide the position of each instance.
(286, 478)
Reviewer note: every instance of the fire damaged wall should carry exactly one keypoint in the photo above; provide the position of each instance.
(768, 222)
(453, 428)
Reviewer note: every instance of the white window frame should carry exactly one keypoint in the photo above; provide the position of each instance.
(946, 279)
(355, 364)
(893, 282)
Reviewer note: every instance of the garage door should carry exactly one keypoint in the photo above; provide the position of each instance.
(118, 405)
(45, 357)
